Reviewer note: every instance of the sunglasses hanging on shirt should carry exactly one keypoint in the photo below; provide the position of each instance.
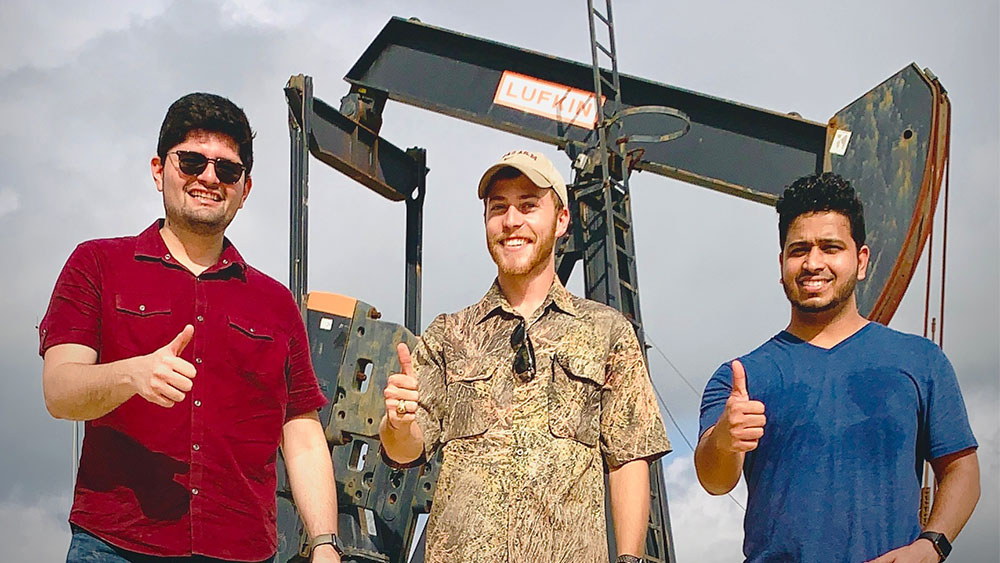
(524, 352)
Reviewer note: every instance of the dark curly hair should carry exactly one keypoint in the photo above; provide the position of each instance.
(206, 112)
(821, 192)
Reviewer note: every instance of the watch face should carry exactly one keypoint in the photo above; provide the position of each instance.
(944, 545)
(941, 544)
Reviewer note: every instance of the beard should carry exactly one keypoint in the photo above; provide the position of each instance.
(203, 222)
(841, 294)
(540, 254)
(201, 225)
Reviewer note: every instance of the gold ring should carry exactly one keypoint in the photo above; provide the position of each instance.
(401, 407)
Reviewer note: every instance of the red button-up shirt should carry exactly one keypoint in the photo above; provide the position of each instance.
(197, 478)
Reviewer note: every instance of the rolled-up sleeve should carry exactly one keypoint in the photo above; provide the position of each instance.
(304, 394)
(74, 312)
(631, 425)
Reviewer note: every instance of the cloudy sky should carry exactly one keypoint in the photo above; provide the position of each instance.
(84, 85)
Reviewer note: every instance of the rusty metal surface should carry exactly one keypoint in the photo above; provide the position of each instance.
(352, 148)
(378, 505)
(894, 159)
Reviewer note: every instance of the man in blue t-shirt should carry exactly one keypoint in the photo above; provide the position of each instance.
(853, 409)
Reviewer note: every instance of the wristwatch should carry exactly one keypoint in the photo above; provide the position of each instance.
(941, 544)
(629, 559)
(324, 539)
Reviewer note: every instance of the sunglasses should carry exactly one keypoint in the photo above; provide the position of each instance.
(524, 352)
(194, 163)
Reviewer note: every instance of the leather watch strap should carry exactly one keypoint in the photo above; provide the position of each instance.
(326, 539)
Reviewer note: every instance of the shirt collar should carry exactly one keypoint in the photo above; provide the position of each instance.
(561, 298)
(149, 244)
(558, 296)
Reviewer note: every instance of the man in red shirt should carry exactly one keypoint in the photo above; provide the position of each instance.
(190, 367)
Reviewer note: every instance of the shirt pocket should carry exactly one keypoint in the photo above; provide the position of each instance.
(575, 398)
(257, 355)
(142, 323)
(469, 406)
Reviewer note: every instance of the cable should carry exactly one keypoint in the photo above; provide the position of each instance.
(672, 419)
(944, 227)
(671, 415)
(664, 356)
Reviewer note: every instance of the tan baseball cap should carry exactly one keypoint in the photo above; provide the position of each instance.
(535, 166)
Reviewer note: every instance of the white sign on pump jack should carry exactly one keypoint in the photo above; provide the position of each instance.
(547, 99)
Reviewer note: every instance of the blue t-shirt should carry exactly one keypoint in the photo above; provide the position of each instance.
(837, 475)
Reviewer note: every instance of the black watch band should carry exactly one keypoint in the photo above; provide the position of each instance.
(629, 559)
(325, 539)
(941, 543)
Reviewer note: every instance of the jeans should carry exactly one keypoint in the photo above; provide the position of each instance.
(88, 548)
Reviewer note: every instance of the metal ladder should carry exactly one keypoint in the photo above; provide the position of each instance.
(606, 241)
(619, 288)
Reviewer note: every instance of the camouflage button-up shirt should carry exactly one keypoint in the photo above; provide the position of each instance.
(522, 478)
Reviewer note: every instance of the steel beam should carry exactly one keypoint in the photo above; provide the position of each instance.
(299, 120)
(358, 152)
(415, 241)
(458, 75)
(352, 148)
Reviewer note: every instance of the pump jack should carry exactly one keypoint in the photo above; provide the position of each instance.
(891, 143)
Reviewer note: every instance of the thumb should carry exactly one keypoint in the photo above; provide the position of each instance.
(739, 380)
(181, 341)
(405, 362)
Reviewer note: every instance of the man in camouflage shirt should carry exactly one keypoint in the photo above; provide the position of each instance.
(528, 392)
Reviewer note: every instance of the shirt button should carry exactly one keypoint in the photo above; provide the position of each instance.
(224, 261)
(194, 491)
(196, 447)
(251, 330)
(197, 403)
(201, 318)
(142, 307)
(166, 257)
(197, 360)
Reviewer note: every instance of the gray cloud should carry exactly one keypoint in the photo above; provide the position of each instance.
(9, 201)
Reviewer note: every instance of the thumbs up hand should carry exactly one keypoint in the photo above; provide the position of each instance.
(741, 425)
(401, 395)
(163, 378)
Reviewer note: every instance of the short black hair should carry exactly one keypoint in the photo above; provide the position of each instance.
(206, 112)
(818, 193)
